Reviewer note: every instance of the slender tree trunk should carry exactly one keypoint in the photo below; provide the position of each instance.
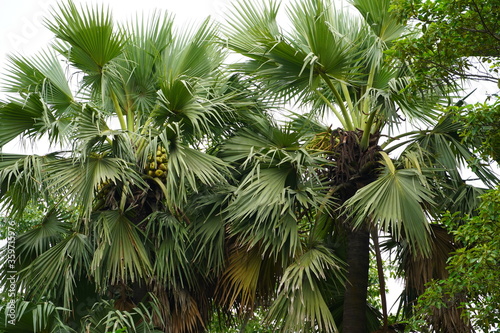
(381, 279)
(244, 323)
(358, 261)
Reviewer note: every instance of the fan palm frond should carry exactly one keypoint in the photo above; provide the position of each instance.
(21, 177)
(300, 301)
(172, 266)
(384, 24)
(34, 317)
(187, 168)
(21, 117)
(120, 254)
(92, 41)
(396, 202)
(61, 266)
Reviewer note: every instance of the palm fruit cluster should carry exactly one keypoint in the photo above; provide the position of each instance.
(103, 190)
(156, 166)
(321, 141)
(103, 187)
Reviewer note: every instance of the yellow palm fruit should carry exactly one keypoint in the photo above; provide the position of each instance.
(159, 173)
(163, 167)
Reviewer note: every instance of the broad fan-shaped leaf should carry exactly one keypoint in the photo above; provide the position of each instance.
(187, 168)
(62, 266)
(172, 265)
(90, 35)
(395, 202)
(120, 255)
(21, 117)
(384, 24)
(21, 177)
(300, 299)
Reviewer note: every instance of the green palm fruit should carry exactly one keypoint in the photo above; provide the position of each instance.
(159, 173)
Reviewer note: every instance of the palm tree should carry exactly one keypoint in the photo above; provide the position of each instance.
(130, 112)
(380, 176)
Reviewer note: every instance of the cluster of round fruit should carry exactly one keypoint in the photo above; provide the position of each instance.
(103, 190)
(103, 186)
(321, 141)
(157, 165)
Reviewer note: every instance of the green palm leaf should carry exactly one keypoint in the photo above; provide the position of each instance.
(46, 104)
(92, 41)
(209, 243)
(384, 24)
(41, 74)
(187, 168)
(253, 31)
(396, 201)
(35, 317)
(193, 54)
(62, 266)
(34, 242)
(328, 50)
(21, 177)
(141, 63)
(172, 245)
(300, 301)
(21, 117)
(120, 254)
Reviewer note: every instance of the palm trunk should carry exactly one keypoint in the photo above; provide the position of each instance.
(381, 279)
(358, 261)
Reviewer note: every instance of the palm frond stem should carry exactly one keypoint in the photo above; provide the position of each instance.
(366, 111)
(403, 135)
(345, 113)
(118, 110)
(332, 107)
(365, 139)
(348, 99)
(130, 117)
(369, 85)
(142, 140)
